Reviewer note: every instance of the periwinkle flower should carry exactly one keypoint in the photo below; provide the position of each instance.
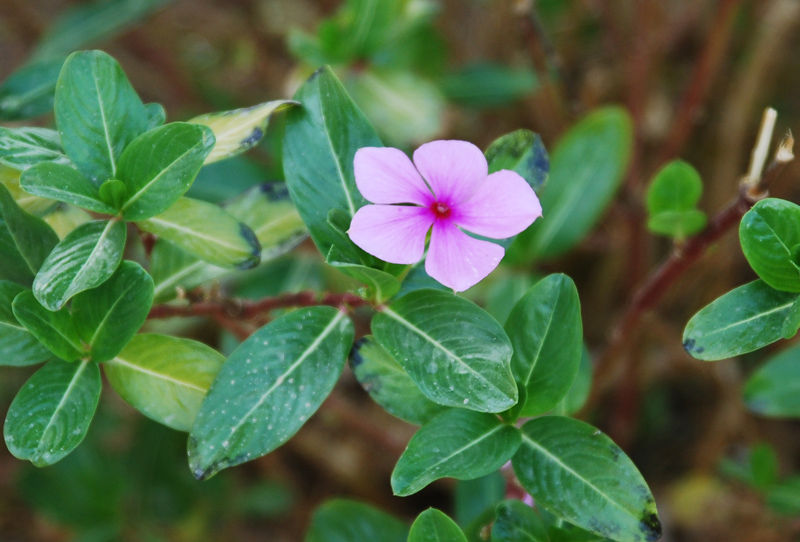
(447, 187)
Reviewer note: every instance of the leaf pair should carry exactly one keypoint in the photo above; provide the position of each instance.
(671, 200)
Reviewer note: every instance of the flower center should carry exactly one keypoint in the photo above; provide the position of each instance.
(441, 210)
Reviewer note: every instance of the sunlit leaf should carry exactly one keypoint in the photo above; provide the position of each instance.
(770, 238)
(21, 148)
(63, 183)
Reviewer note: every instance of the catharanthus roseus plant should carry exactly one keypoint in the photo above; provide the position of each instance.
(485, 393)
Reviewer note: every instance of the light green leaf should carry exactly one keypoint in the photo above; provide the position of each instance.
(63, 183)
(322, 137)
(743, 320)
(66, 218)
(489, 85)
(156, 115)
(523, 152)
(108, 316)
(434, 526)
(517, 522)
(83, 259)
(18, 346)
(453, 350)
(546, 333)
(97, 113)
(458, 444)
(28, 92)
(388, 384)
(25, 240)
(160, 165)
(51, 413)
(675, 187)
(21, 148)
(164, 378)
(579, 474)
(241, 129)
(35, 205)
(586, 169)
(677, 224)
(578, 393)
(269, 386)
(114, 193)
(381, 284)
(54, 329)
(342, 520)
(769, 233)
(774, 389)
(173, 268)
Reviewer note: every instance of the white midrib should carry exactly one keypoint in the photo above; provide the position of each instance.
(754, 317)
(350, 204)
(577, 475)
(541, 344)
(161, 376)
(41, 149)
(278, 381)
(194, 233)
(64, 397)
(102, 323)
(155, 179)
(97, 245)
(106, 132)
(269, 225)
(173, 279)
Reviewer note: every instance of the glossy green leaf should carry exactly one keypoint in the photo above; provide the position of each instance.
(28, 92)
(579, 474)
(241, 129)
(25, 240)
(51, 413)
(160, 165)
(743, 320)
(381, 284)
(791, 323)
(63, 183)
(18, 346)
(546, 334)
(434, 526)
(54, 329)
(769, 233)
(523, 152)
(677, 224)
(114, 193)
(165, 378)
(156, 115)
(35, 205)
(489, 85)
(83, 259)
(322, 137)
(173, 268)
(774, 389)
(269, 386)
(388, 384)
(586, 169)
(578, 393)
(97, 112)
(452, 349)
(108, 316)
(342, 520)
(457, 444)
(517, 522)
(208, 232)
(21, 148)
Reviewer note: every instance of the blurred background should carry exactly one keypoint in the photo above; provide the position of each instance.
(694, 75)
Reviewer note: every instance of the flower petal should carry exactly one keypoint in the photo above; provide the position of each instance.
(395, 234)
(386, 175)
(457, 260)
(504, 205)
(454, 169)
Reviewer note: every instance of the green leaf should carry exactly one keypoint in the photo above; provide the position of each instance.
(579, 474)
(453, 350)
(322, 137)
(517, 522)
(578, 393)
(473, 498)
(173, 268)
(523, 152)
(114, 193)
(83, 259)
(18, 346)
(388, 384)
(546, 333)
(241, 129)
(381, 284)
(55, 330)
(63, 183)
(774, 389)
(156, 115)
(586, 169)
(677, 224)
(269, 386)
(489, 85)
(21, 148)
(28, 92)
(108, 316)
(764, 466)
(208, 232)
(341, 520)
(97, 113)
(434, 526)
(25, 240)
(457, 444)
(165, 378)
(66, 218)
(51, 413)
(35, 205)
(792, 321)
(769, 232)
(743, 320)
(675, 187)
(160, 165)
(784, 497)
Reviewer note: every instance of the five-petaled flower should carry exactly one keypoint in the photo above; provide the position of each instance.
(449, 189)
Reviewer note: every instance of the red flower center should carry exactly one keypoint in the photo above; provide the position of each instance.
(441, 210)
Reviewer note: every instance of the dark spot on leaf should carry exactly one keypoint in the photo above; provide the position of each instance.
(255, 254)
(690, 346)
(651, 527)
(316, 74)
(615, 452)
(355, 356)
(253, 138)
(274, 191)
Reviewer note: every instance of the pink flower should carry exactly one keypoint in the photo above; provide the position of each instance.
(447, 187)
